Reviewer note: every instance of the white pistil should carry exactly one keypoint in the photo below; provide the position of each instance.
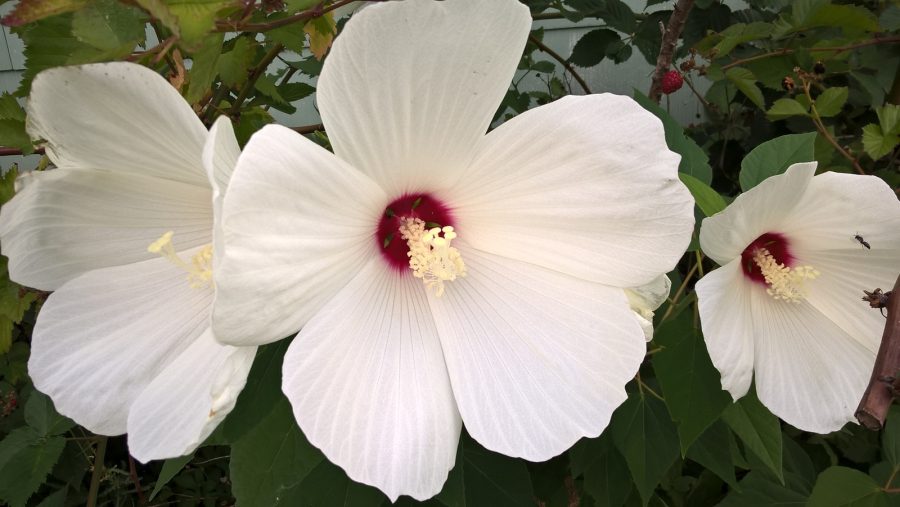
(784, 282)
(431, 257)
(199, 270)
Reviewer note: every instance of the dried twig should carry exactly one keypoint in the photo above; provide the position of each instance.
(671, 34)
(879, 395)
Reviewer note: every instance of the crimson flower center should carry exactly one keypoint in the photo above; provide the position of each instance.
(420, 206)
(778, 247)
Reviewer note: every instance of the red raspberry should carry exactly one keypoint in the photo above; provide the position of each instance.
(671, 82)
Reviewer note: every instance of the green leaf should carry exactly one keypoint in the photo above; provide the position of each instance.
(739, 33)
(708, 200)
(543, 67)
(204, 66)
(591, 47)
(249, 122)
(689, 381)
(647, 37)
(109, 26)
(876, 143)
(605, 472)
(618, 15)
(785, 108)
(196, 18)
(43, 417)
(481, 477)
(715, 450)
(13, 134)
(840, 486)
(10, 108)
(745, 81)
(50, 43)
(29, 11)
(169, 470)
(694, 160)
(271, 459)
(327, 485)
(299, 5)
(647, 438)
(853, 20)
(775, 156)
(160, 10)
(889, 118)
(830, 102)
(26, 457)
(757, 490)
(234, 65)
(261, 393)
(890, 438)
(758, 429)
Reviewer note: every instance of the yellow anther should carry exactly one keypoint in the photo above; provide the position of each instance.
(431, 257)
(199, 270)
(783, 282)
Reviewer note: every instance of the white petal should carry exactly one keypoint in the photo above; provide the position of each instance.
(410, 87)
(836, 207)
(585, 186)
(298, 223)
(809, 372)
(761, 209)
(187, 399)
(537, 359)
(64, 222)
(220, 156)
(368, 384)
(723, 298)
(837, 292)
(101, 338)
(644, 300)
(116, 116)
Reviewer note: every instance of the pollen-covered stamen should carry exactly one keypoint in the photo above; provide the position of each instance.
(785, 283)
(199, 269)
(431, 257)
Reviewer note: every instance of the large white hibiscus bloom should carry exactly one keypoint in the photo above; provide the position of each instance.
(124, 342)
(522, 328)
(786, 302)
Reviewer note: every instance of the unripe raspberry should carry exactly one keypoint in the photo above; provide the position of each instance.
(671, 82)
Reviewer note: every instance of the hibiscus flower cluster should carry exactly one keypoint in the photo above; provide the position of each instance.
(431, 273)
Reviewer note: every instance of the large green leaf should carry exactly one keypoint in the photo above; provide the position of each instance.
(785, 108)
(758, 429)
(591, 47)
(169, 470)
(26, 457)
(481, 477)
(775, 156)
(271, 459)
(29, 11)
(830, 102)
(43, 417)
(715, 450)
(204, 65)
(606, 477)
(261, 394)
(689, 381)
(745, 81)
(890, 437)
(758, 490)
(234, 65)
(694, 160)
(708, 200)
(839, 486)
(647, 438)
(108, 25)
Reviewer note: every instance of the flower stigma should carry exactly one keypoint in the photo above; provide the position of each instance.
(199, 269)
(431, 257)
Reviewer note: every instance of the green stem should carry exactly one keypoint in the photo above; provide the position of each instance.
(97, 474)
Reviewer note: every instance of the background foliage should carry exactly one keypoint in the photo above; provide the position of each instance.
(778, 82)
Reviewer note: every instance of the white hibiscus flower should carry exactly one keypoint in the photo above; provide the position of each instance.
(124, 342)
(521, 328)
(786, 302)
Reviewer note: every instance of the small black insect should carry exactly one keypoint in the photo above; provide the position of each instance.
(862, 241)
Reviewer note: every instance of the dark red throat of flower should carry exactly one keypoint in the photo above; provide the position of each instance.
(422, 206)
(777, 245)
